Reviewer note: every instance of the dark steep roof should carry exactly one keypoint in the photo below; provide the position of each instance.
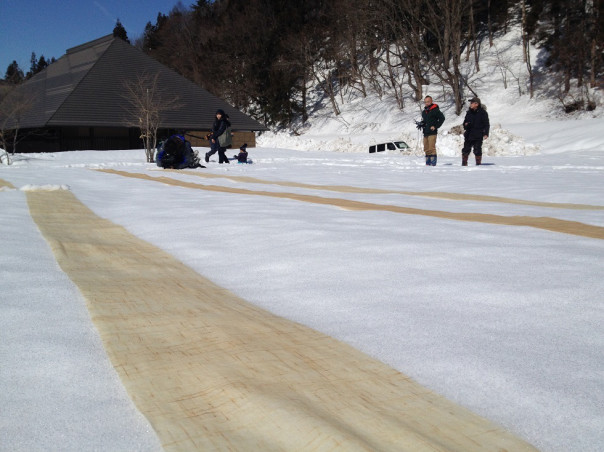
(86, 87)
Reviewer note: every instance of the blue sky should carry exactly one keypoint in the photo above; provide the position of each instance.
(49, 28)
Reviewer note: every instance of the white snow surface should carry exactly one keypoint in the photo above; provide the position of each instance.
(504, 320)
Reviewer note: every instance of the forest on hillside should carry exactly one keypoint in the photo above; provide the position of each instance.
(264, 56)
(268, 57)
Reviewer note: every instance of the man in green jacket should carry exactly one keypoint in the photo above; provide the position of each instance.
(432, 119)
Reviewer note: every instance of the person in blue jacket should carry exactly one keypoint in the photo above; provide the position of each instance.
(176, 153)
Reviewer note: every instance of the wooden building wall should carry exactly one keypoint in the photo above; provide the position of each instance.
(240, 137)
(109, 138)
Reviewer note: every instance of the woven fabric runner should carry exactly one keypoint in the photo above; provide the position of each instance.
(546, 223)
(213, 372)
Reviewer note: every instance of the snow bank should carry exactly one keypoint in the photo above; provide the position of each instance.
(47, 187)
(501, 142)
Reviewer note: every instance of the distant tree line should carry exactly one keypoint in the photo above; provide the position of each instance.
(14, 74)
(264, 55)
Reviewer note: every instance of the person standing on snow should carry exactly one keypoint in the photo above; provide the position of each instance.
(432, 119)
(476, 125)
(221, 123)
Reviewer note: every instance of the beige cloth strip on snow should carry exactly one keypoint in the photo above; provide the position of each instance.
(427, 194)
(547, 223)
(6, 184)
(213, 372)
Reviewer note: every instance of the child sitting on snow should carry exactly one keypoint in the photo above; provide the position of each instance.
(242, 156)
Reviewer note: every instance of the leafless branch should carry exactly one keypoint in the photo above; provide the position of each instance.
(147, 102)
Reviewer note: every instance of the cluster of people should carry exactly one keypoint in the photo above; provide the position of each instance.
(475, 124)
(176, 152)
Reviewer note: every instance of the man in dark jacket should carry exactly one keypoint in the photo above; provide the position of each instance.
(221, 123)
(432, 119)
(476, 125)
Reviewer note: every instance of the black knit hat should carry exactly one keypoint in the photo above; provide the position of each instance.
(475, 99)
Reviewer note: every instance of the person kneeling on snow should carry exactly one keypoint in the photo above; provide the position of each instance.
(242, 156)
(176, 153)
(476, 125)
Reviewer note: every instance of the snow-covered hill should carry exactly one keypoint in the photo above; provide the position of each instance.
(373, 119)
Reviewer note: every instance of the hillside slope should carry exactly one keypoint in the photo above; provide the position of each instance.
(501, 83)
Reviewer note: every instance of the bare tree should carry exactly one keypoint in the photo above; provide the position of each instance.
(526, 47)
(595, 26)
(400, 19)
(14, 104)
(472, 39)
(445, 25)
(323, 73)
(489, 23)
(351, 31)
(431, 35)
(147, 103)
(301, 49)
(4, 157)
(507, 65)
(396, 78)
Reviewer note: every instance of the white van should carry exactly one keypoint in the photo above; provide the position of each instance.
(389, 146)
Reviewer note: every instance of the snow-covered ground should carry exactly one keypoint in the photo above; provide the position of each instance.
(504, 320)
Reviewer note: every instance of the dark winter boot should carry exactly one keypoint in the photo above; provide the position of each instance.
(433, 160)
(207, 158)
(464, 160)
(479, 160)
(428, 160)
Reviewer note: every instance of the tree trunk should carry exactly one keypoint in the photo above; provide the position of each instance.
(489, 24)
(15, 141)
(474, 39)
(593, 59)
(526, 52)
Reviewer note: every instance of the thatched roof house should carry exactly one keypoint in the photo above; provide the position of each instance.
(81, 101)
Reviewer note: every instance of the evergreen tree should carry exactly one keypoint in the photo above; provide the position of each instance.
(33, 66)
(151, 36)
(120, 32)
(42, 64)
(202, 8)
(14, 74)
(36, 65)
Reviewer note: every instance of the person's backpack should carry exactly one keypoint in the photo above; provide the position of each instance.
(191, 158)
(226, 139)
